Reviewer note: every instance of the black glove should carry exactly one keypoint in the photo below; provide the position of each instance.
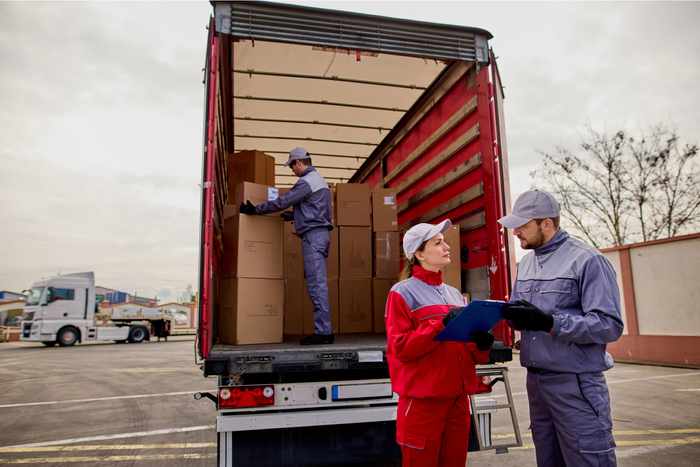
(248, 208)
(453, 313)
(287, 216)
(482, 339)
(524, 315)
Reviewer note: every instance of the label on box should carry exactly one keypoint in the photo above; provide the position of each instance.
(389, 200)
(272, 193)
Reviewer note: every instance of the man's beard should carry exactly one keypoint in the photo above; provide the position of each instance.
(536, 242)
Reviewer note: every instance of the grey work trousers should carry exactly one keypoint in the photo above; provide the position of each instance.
(570, 419)
(314, 248)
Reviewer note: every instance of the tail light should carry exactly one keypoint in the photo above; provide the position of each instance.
(246, 396)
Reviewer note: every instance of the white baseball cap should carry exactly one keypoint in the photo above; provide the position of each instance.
(419, 233)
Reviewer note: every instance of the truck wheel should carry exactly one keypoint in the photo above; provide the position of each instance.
(137, 334)
(67, 337)
(49, 343)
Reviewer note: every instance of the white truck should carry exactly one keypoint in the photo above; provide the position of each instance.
(61, 310)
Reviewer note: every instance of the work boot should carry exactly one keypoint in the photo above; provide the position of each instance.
(317, 339)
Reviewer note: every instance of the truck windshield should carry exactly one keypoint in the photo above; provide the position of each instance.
(34, 296)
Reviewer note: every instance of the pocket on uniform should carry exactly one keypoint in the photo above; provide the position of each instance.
(560, 292)
(601, 442)
(411, 440)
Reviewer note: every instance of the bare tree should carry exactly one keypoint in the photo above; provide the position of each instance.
(617, 189)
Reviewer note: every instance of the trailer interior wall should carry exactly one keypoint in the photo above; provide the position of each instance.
(425, 126)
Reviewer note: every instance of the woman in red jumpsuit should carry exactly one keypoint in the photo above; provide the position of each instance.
(433, 379)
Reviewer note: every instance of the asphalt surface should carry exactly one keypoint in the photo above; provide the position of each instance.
(131, 404)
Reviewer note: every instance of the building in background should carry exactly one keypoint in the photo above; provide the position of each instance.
(7, 296)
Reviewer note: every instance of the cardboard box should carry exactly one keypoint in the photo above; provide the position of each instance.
(253, 247)
(384, 210)
(355, 305)
(452, 274)
(255, 193)
(355, 245)
(294, 291)
(294, 259)
(250, 166)
(308, 308)
(387, 255)
(251, 311)
(332, 263)
(353, 204)
(380, 291)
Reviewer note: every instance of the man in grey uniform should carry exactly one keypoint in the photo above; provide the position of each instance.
(567, 304)
(310, 198)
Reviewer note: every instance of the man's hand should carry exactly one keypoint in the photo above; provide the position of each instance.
(482, 339)
(248, 208)
(453, 313)
(287, 216)
(524, 315)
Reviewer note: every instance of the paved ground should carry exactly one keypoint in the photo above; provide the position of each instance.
(109, 404)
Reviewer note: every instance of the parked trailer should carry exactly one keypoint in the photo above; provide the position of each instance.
(393, 103)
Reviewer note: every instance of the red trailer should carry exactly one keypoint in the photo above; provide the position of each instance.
(401, 104)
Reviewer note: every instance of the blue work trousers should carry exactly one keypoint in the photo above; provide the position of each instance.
(314, 248)
(570, 419)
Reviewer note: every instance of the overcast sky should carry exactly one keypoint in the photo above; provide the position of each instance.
(101, 116)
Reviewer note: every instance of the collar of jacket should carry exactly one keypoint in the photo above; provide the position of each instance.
(555, 242)
(306, 172)
(429, 277)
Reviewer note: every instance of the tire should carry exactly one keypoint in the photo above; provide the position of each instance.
(67, 337)
(49, 343)
(137, 334)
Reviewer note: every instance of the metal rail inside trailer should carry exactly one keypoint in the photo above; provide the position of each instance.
(408, 105)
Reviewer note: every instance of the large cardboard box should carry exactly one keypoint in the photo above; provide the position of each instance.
(256, 193)
(380, 292)
(253, 247)
(294, 259)
(387, 255)
(355, 252)
(353, 204)
(251, 311)
(355, 305)
(294, 291)
(452, 274)
(384, 210)
(250, 166)
(308, 308)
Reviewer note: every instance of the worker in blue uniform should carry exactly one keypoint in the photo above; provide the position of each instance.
(566, 302)
(310, 199)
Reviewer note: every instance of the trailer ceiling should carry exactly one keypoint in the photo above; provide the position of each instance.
(333, 82)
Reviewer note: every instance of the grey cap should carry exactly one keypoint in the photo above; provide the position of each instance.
(295, 155)
(419, 233)
(533, 204)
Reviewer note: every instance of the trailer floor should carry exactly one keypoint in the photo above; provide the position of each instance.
(131, 404)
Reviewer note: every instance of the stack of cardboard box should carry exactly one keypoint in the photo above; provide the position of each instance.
(387, 251)
(251, 293)
(353, 216)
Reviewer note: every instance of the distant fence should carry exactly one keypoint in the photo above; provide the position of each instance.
(660, 292)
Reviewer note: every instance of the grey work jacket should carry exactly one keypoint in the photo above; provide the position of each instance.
(577, 285)
(311, 199)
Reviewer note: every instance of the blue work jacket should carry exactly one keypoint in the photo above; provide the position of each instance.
(311, 199)
(577, 285)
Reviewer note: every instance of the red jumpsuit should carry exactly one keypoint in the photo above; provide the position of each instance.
(432, 378)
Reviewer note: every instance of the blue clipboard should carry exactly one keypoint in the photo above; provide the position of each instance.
(480, 315)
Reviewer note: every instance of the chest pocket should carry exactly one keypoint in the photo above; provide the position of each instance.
(558, 293)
